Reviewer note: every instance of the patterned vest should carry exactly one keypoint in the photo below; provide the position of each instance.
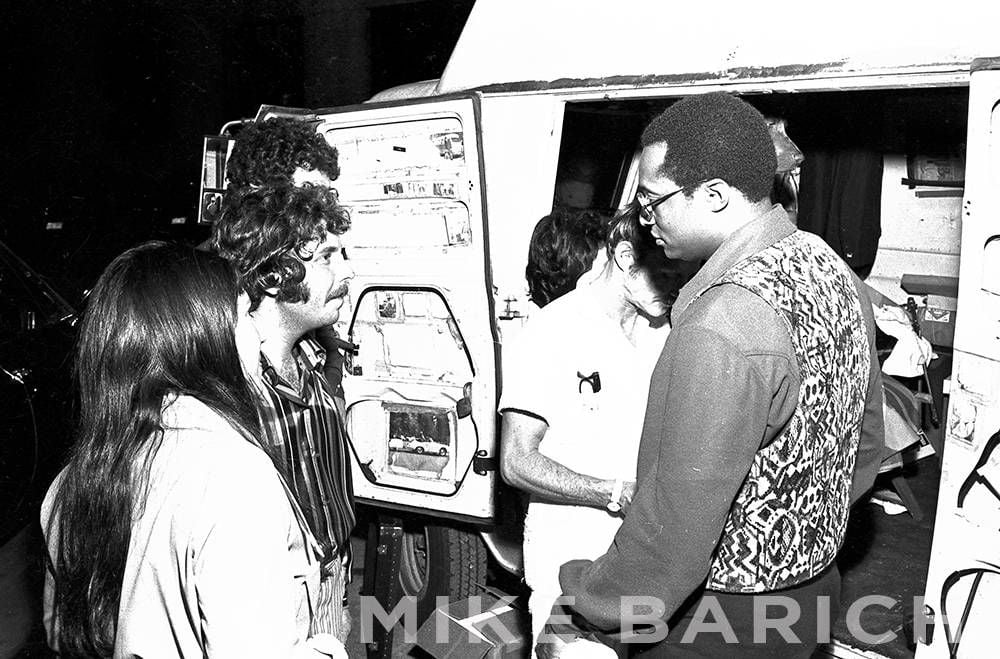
(788, 520)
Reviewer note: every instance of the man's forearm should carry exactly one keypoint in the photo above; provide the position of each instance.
(707, 413)
(550, 480)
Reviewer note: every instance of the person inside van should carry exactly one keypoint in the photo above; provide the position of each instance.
(574, 394)
(171, 531)
(766, 387)
(575, 183)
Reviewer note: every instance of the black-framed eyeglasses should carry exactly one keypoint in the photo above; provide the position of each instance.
(646, 207)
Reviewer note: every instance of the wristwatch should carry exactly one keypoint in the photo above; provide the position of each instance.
(614, 503)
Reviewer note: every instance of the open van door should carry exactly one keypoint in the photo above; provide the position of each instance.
(421, 386)
(963, 581)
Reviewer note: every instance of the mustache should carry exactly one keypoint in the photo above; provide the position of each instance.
(340, 291)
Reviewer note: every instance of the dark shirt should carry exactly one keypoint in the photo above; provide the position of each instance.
(335, 349)
(726, 384)
(303, 423)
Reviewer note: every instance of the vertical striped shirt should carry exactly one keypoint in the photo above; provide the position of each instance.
(302, 422)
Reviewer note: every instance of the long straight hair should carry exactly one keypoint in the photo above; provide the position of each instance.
(160, 322)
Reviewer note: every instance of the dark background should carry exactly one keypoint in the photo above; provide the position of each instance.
(104, 104)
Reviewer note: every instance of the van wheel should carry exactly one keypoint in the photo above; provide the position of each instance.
(441, 561)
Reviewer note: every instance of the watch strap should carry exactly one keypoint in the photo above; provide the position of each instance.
(614, 503)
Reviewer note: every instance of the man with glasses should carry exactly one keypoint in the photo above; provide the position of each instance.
(764, 417)
(647, 206)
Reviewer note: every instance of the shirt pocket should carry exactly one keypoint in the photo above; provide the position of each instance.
(588, 391)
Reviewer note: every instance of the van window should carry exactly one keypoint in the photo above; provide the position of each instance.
(409, 337)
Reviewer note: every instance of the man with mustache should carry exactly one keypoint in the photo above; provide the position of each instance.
(284, 242)
(284, 151)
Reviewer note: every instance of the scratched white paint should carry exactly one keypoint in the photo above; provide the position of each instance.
(524, 40)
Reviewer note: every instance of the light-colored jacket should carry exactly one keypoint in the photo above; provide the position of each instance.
(217, 565)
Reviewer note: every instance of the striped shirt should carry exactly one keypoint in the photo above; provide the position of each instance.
(303, 424)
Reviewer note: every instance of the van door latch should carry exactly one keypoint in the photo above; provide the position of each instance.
(483, 463)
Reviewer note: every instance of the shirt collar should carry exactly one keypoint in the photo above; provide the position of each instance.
(754, 236)
(311, 353)
(307, 352)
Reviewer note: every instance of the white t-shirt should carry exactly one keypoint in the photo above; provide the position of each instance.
(592, 433)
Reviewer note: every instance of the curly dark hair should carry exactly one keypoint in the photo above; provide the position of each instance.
(264, 234)
(268, 152)
(562, 248)
(715, 136)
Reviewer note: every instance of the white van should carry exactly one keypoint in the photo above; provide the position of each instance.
(445, 180)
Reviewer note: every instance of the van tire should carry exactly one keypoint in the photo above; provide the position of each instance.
(441, 561)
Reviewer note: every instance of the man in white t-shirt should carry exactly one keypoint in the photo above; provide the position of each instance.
(574, 397)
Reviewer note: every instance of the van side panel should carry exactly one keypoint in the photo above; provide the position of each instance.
(521, 137)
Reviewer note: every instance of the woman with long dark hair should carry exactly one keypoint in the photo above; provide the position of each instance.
(170, 531)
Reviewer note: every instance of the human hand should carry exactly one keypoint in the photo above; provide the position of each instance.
(558, 632)
(582, 648)
(329, 645)
(578, 648)
(563, 638)
(550, 648)
(346, 622)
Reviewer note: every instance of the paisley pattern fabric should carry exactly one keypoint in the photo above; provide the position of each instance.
(788, 520)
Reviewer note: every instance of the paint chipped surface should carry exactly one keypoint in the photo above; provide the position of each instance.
(509, 45)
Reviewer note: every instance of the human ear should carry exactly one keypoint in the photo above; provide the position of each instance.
(717, 193)
(270, 283)
(624, 255)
